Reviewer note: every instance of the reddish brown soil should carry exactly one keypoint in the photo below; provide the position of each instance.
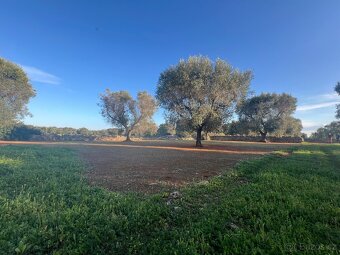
(151, 166)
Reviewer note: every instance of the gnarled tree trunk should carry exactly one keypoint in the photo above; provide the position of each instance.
(128, 134)
(263, 136)
(199, 137)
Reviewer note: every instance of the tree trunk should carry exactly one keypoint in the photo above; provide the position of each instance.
(128, 133)
(263, 136)
(199, 137)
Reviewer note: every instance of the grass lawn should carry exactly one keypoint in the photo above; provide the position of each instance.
(284, 203)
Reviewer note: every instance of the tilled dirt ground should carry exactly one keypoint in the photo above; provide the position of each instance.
(152, 166)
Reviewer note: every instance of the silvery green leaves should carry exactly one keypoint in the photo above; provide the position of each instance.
(15, 93)
(202, 92)
(122, 111)
(267, 112)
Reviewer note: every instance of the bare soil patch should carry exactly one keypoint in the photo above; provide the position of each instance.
(152, 166)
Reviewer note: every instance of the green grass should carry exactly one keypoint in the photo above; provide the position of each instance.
(278, 204)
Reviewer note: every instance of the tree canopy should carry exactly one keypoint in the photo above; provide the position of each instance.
(199, 92)
(323, 133)
(289, 127)
(337, 90)
(122, 111)
(267, 112)
(15, 93)
(166, 129)
(237, 127)
(145, 128)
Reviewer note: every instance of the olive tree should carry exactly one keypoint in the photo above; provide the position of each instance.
(236, 127)
(15, 93)
(144, 128)
(198, 91)
(290, 126)
(337, 89)
(322, 133)
(122, 111)
(267, 112)
(166, 129)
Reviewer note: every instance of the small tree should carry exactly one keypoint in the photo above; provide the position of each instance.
(337, 89)
(22, 132)
(236, 128)
(199, 91)
(267, 112)
(145, 128)
(122, 111)
(83, 131)
(166, 129)
(15, 93)
(289, 127)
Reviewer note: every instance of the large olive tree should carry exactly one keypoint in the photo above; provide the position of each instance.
(122, 111)
(15, 93)
(198, 91)
(267, 112)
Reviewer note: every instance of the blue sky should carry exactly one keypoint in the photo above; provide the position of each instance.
(73, 50)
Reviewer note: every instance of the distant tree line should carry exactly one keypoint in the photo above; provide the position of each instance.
(23, 132)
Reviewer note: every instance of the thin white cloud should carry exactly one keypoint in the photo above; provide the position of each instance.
(330, 96)
(309, 107)
(327, 96)
(38, 75)
(312, 120)
(310, 124)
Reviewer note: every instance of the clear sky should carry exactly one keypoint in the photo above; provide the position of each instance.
(73, 50)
